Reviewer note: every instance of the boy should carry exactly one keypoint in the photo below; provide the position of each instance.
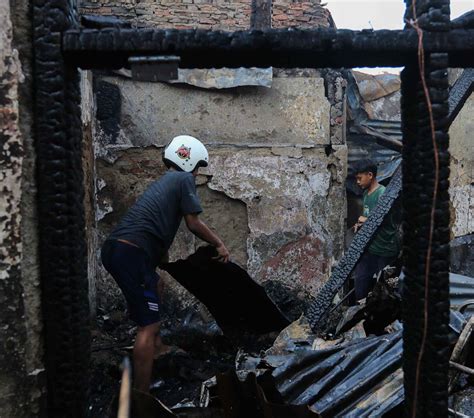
(142, 238)
(384, 247)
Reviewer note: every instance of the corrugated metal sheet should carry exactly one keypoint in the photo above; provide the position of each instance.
(359, 378)
(356, 379)
(387, 127)
(461, 289)
(362, 146)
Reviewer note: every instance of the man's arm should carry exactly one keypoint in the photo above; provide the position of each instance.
(201, 230)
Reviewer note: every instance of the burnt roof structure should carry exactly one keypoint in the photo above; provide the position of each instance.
(426, 48)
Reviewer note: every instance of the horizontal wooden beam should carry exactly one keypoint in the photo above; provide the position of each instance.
(287, 48)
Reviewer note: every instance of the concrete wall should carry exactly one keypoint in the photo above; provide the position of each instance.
(90, 203)
(22, 371)
(462, 170)
(274, 188)
(207, 14)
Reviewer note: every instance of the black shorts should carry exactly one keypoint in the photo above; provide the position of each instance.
(368, 265)
(132, 270)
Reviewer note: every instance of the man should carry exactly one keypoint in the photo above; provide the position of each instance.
(385, 246)
(142, 238)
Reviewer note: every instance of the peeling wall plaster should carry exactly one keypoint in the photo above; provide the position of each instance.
(272, 171)
(462, 170)
(22, 371)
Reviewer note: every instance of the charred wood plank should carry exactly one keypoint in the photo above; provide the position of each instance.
(318, 311)
(460, 92)
(288, 48)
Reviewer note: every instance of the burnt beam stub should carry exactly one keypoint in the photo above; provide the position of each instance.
(63, 272)
(261, 17)
(426, 220)
(318, 311)
(286, 48)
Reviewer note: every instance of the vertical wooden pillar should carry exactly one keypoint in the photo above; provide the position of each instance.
(58, 141)
(426, 221)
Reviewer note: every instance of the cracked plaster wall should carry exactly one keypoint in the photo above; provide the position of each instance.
(274, 188)
(462, 170)
(22, 377)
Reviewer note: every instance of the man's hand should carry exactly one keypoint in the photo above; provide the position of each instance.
(359, 223)
(201, 230)
(223, 253)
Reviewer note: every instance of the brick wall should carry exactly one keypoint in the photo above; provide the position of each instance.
(301, 14)
(207, 14)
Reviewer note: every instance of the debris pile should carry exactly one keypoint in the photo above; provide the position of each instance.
(352, 366)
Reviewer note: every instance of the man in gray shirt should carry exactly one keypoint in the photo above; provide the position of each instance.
(133, 250)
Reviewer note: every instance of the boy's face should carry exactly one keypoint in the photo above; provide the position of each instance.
(364, 180)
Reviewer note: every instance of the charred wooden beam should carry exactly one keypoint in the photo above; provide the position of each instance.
(465, 21)
(62, 247)
(460, 92)
(289, 48)
(318, 311)
(426, 222)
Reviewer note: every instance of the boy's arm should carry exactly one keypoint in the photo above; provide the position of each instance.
(201, 230)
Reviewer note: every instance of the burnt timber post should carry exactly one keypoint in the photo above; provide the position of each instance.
(58, 140)
(60, 48)
(426, 219)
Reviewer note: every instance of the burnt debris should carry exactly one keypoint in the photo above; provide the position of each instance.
(237, 302)
(60, 48)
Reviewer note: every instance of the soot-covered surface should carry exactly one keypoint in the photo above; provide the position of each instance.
(236, 301)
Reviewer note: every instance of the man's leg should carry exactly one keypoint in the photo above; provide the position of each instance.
(362, 277)
(160, 347)
(370, 264)
(143, 353)
(383, 262)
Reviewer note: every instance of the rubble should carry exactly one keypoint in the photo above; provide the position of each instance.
(461, 352)
(353, 367)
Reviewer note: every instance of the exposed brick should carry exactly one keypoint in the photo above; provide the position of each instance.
(280, 17)
(206, 14)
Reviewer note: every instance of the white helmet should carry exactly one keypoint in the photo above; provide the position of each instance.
(185, 153)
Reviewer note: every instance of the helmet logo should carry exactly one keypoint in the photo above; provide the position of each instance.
(184, 152)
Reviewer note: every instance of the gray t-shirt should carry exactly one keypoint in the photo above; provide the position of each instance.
(152, 222)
